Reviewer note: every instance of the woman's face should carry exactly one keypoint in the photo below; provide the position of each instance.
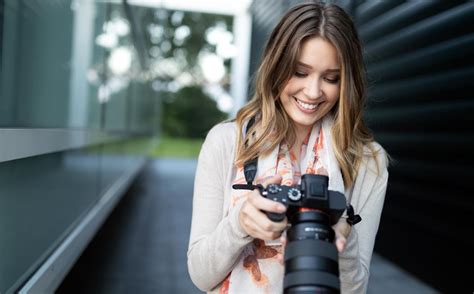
(313, 89)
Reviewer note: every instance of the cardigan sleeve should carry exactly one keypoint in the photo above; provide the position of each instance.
(367, 198)
(216, 240)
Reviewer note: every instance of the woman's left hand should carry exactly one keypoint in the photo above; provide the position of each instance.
(342, 230)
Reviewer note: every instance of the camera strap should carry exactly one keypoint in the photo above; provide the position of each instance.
(250, 167)
(352, 218)
(250, 171)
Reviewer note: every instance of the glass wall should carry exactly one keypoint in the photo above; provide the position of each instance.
(70, 64)
(72, 96)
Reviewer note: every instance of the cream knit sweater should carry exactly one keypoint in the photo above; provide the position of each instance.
(217, 239)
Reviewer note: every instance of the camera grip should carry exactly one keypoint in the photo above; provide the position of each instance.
(276, 217)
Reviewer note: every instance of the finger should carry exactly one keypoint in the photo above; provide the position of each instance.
(340, 241)
(260, 233)
(342, 227)
(262, 220)
(244, 219)
(263, 203)
(340, 244)
(276, 179)
(254, 230)
(249, 224)
(266, 204)
(261, 224)
(275, 229)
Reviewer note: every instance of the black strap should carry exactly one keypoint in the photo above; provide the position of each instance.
(248, 187)
(352, 218)
(250, 170)
(250, 167)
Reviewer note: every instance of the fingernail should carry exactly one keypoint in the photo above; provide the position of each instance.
(281, 208)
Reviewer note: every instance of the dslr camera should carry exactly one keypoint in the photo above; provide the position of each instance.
(311, 258)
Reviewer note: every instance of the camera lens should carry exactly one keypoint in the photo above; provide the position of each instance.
(311, 224)
(311, 258)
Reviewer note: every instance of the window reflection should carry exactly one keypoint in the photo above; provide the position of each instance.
(70, 64)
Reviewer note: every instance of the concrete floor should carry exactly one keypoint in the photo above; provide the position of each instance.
(142, 246)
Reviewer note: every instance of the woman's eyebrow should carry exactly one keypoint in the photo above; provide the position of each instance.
(304, 65)
(310, 67)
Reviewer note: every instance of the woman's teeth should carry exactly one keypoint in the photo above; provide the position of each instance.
(306, 105)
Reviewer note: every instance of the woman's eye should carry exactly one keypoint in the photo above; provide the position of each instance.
(332, 80)
(300, 74)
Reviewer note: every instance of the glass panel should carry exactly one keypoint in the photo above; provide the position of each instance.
(63, 64)
(36, 52)
(41, 198)
(69, 64)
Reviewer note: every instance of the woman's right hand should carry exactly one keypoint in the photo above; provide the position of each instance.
(252, 215)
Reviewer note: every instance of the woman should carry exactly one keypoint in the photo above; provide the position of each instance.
(306, 118)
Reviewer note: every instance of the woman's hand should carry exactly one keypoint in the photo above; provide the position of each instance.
(342, 230)
(252, 215)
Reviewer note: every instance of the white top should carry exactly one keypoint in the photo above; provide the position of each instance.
(217, 239)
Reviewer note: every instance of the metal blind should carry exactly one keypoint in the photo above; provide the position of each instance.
(420, 64)
(265, 15)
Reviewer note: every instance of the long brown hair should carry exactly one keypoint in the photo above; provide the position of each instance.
(272, 124)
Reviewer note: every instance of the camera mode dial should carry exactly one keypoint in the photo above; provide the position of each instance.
(294, 194)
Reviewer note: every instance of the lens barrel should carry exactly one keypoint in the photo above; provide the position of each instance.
(311, 258)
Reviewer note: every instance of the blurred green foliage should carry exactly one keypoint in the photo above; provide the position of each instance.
(189, 113)
(195, 42)
(177, 147)
(174, 42)
(151, 147)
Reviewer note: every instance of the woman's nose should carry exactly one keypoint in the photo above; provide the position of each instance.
(312, 89)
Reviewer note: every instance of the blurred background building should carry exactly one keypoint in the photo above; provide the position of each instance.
(73, 94)
(100, 100)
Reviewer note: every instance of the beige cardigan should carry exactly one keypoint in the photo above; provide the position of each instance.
(217, 239)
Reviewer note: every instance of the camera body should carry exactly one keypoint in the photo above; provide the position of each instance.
(313, 193)
(311, 258)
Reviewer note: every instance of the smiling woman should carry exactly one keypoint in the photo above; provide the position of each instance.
(314, 88)
(302, 128)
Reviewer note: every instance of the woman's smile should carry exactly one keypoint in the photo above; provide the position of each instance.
(306, 107)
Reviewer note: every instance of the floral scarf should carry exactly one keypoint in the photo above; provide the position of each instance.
(257, 270)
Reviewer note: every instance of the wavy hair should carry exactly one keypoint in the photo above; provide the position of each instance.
(272, 124)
